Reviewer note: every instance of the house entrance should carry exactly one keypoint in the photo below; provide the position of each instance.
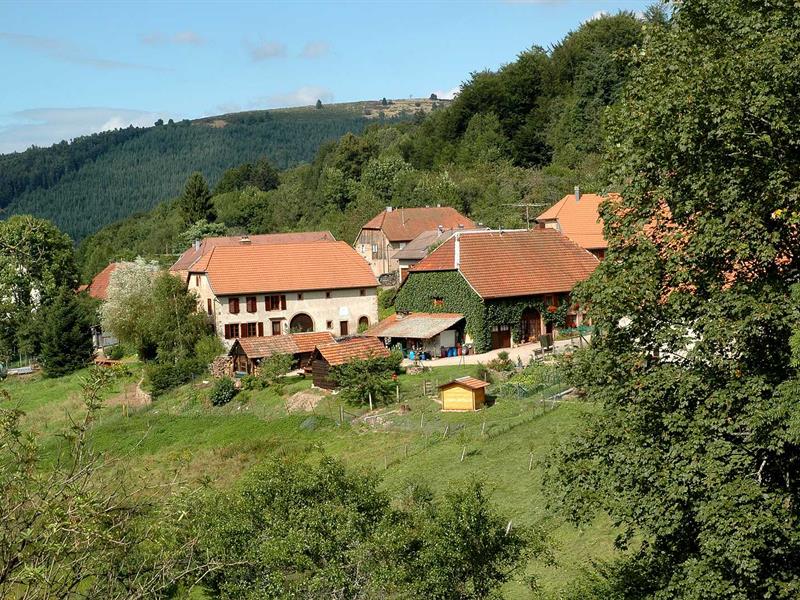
(301, 323)
(531, 325)
(501, 336)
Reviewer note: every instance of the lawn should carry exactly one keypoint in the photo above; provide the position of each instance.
(182, 437)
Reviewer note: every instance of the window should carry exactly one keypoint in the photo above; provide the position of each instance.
(327, 294)
(231, 331)
(233, 306)
(276, 328)
(362, 292)
(300, 295)
(572, 321)
(363, 323)
(251, 304)
(342, 327)
(329, 324)
(209, 309)
(197, 280)
(249, 330)
(275, 302)
(437, 302)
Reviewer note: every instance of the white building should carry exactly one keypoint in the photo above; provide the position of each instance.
(254, 291)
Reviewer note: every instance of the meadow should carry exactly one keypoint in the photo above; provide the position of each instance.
(181, 439)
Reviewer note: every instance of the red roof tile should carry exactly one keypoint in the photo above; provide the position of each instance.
(338, 353)
(192, 255)
(296, 343)
(285, 268)
(98, 288)
(579, 221)
(513, 263)
(467, 382)
(404, 224)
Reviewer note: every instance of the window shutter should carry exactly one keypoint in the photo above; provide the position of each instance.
(227, 332)
(283, 302)
(260, 329)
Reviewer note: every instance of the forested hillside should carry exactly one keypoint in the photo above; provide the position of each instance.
(101, 178)
(526, 133)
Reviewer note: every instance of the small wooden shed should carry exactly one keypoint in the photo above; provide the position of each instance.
(247, 353)
(463, 394)
(340, 352)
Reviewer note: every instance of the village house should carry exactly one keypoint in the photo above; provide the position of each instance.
(340, 352)
(577, 216)
(203, 247)
(391, 230)
(511, 286)
(277, 289)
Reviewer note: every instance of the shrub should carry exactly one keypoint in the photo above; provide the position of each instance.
(484, 373)
(208, 348)
(117, 352)
(223, 391)
(251, 382)
(359, 379)
(164, 376)
(501, 363)
(273, 369)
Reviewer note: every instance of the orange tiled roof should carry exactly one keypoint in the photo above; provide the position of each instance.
(404, 224)
(284, 268)
(296, 343)
(502, 264)
(467, 381)
(579, 221)
(338, 353)
(98, 288)
(192, 255)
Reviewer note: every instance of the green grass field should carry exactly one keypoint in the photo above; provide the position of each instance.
(182, 437)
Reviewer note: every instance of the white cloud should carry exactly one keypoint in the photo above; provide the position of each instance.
(448, 94)
(46, 126)
(315, 49)
(265, 50)
(597, 15)
(66, 51)
(302, 96)
(187, 38)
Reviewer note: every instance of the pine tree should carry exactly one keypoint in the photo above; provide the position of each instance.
(319, 103)
(66, 342)
(195, 202)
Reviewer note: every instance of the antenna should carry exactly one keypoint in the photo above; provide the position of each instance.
(527, 207)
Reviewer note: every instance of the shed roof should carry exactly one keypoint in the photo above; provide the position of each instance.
(404, 224)
(503, 264)
(579, 220)
(343, 351)
(471, 383)
(98, 287)
(192, 255)
(285, 268)
(418, 325)
(296, 343)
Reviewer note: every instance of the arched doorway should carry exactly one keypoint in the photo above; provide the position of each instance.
(301, 323)
(531, 325)
(363, 323)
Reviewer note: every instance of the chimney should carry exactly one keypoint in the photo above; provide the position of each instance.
(457, 251)
(461, 226)
(577, 194)
(197, 245)
(244, 240)
(440, 229)
(388, 209)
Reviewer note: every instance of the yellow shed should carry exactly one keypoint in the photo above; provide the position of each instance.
(464, 393)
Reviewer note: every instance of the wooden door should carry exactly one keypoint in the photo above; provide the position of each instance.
(531, 325)
(501, 336)
(343, 328)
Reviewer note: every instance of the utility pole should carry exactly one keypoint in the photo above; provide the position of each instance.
(527, 207)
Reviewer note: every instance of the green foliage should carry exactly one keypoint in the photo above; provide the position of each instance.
(694, 450)
(66, 340)
(195, 201)
(501, 363)
(360, 379)
(208, 347)
(200, 230)
(261, 175)
(117, 352)
(274, 368)
(164, 376)
(223, 391)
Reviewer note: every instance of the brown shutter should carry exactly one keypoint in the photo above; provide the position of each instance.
(227, 332)
(260, 329)
(283, 302)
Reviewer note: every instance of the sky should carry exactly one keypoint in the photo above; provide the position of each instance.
(73, 68)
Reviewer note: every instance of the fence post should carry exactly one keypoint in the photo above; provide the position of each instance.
(370, 400)
(397, 392)
(446, 429)
(530, 463)
(463, 452)
(421, 419)
(341, 415)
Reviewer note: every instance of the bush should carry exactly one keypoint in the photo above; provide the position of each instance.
(165, 376)
(251, 382)
(360, 379)
(208, 348)
(484, 373)
(273, 369)
(116, 352)
(223, 391)
(501, 363)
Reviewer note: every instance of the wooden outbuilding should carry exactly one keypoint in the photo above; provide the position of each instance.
(463, 394)
(247, 353)
(341, 352)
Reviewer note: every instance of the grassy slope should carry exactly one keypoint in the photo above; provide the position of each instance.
(182, 435)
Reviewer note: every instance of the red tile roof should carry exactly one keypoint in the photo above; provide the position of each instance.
(415, 325)
(285, 268)
(338, 353)
(467, 382)
(296, 343)
(501, 264)
(98, 288)
(404, 224)
(192, 255)
(579, 221)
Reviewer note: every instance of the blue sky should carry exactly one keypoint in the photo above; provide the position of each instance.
(73, 68)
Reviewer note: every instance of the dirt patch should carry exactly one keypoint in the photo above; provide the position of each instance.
(304, 401)
(131, 396)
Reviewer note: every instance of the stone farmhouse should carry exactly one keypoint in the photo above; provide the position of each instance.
(511, 286)
(276, 289)
(386, 233)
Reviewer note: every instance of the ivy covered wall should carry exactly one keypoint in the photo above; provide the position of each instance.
(420, 289)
